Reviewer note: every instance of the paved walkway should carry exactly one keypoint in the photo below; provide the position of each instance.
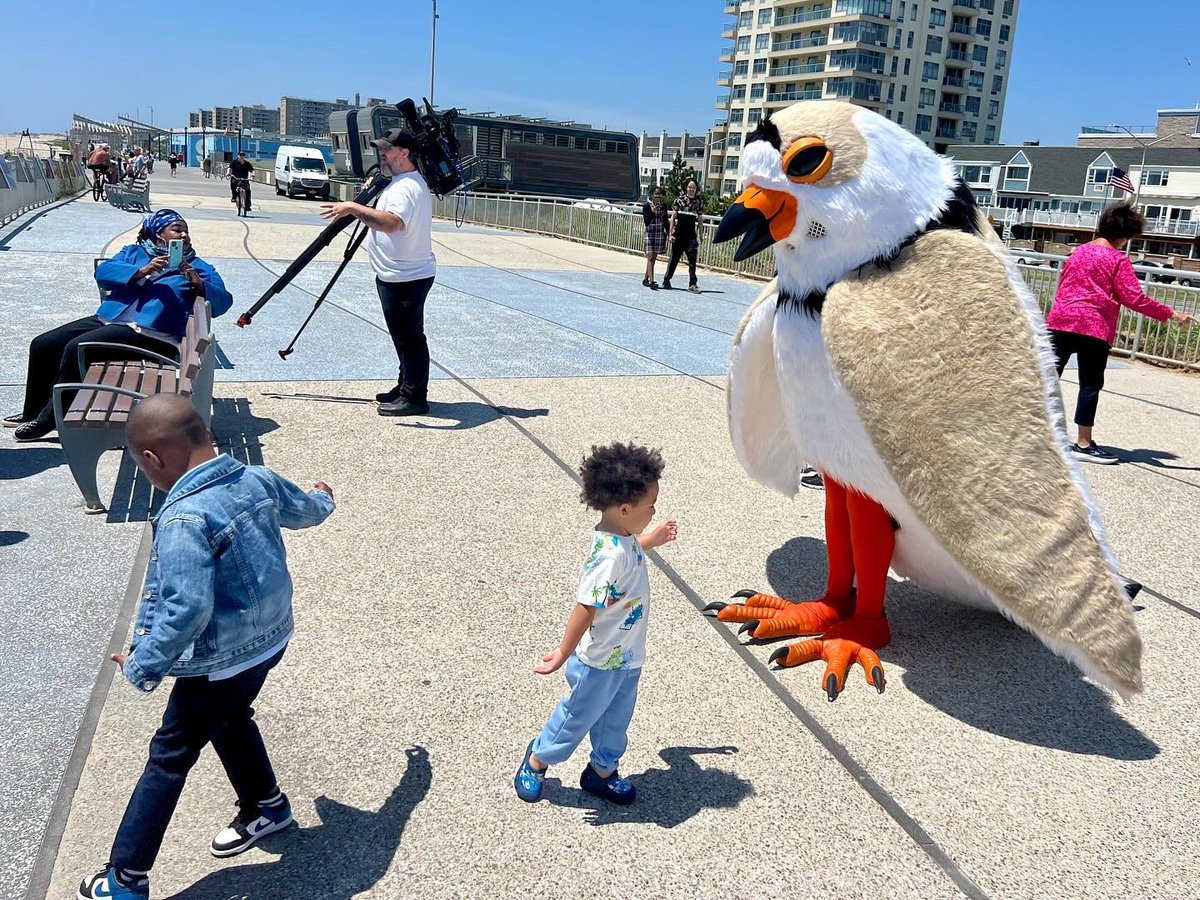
(989, 768)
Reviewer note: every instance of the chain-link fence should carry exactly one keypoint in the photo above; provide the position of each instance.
(622, 228)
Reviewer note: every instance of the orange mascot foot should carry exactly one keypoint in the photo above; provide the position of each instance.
(844, 643)
(766, 616)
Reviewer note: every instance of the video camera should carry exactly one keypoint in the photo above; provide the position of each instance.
(437, 156)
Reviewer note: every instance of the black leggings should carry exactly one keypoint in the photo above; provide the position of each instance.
(1092, 356)
(54, 359)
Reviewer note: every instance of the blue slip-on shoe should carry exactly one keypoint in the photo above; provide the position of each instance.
(614, 788)
(528, 780)
(250, 825)
(104, 885)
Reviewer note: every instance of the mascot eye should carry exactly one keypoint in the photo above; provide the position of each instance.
(807, 162)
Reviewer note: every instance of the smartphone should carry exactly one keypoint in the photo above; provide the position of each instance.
(174, 254)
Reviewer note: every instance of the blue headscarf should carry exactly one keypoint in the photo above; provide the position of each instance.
(152, 226)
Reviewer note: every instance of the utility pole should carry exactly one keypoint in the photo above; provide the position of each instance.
(433, 52)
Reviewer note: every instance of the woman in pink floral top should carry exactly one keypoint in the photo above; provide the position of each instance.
(1097, 280)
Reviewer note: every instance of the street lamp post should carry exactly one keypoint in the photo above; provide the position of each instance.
(433, 52)
(1137, 192)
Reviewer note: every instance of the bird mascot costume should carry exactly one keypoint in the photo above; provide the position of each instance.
(899, 353)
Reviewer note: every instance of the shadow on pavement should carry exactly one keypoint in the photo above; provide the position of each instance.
(8, 538)
(666, 797)
(336, 860)
(1154, 458)
(978, 667)
(22, 462)
(470, 414)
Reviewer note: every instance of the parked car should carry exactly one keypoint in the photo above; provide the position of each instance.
(1154, 276)
(593, 203)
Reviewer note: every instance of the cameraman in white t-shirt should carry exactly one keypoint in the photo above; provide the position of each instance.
(400, 249)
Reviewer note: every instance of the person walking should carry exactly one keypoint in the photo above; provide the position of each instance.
(172, 161)
(655, 213)
(1097, 280)
(684, 235)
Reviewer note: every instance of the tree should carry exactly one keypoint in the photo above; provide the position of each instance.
(678, 177)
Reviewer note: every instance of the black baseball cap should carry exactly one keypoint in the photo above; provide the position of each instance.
(397, 137)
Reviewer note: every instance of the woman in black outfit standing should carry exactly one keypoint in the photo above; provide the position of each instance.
(685, 233)
(655, 214)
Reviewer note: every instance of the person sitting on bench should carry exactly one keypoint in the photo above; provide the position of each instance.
(147, 307)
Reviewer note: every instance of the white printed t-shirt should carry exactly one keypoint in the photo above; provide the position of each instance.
(616, 582)
(407, 254)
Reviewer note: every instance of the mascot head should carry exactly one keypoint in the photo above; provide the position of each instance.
(833, 186)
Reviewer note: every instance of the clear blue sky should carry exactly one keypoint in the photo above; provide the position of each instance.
(627, 64)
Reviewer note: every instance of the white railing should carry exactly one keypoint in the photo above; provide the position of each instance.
(33, 185)
(623, 229)
(1160, 225)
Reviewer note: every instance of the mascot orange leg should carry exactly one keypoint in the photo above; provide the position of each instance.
(767, 616)
(872, 539)
(860, 539)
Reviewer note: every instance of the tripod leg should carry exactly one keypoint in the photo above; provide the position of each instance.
(355, 242)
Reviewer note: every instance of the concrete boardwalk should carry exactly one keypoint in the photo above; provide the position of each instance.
(990, 768)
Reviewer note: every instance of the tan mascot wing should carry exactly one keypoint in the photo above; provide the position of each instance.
(901, 355)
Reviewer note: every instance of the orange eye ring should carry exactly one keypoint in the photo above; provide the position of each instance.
(807, 161)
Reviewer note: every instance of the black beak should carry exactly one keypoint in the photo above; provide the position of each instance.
(763, 216)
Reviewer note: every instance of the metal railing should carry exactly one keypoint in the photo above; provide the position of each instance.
(32, 187)
(623, 229)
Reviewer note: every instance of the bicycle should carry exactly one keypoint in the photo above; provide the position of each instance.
(239, 193)
(98, 181)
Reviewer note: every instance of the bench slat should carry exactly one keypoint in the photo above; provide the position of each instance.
(79, 405)
(100, 405)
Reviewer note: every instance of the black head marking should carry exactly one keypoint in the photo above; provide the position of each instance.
(766, 131)
(959, 215)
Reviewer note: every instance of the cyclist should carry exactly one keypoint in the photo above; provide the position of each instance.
(98, 161)
(240, 168)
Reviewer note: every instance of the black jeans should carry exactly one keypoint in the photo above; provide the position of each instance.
(54, 358)
(404, 311)
(199, 712)
(678, 249)
(1091, 354)
(233, 190)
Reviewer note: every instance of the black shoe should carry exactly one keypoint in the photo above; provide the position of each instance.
(666, 285)
(33, 431)
(811, 478)
(645, 282)
(694, 288)
(403, 407)
(1093, 454)
(388, 396)
(16, 419)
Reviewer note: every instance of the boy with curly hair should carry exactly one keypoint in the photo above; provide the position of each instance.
(604, 645)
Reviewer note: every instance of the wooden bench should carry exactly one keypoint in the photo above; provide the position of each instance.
(96, 419)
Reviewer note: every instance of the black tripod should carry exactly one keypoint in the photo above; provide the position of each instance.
(367, 196)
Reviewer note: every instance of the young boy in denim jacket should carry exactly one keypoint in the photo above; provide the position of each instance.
(217, 615)
(605, 641)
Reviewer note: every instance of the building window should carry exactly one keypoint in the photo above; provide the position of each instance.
(1007, 9)
(731, 163)
(739, 92)
(983, 27)
(933, 44)
(1096, 176)
(926, 97)
(930, 70)
(907, 65)
(741, 67)
(997, 83)
(903, 92)
(899, 118)
(735, 116)
(1155, 177)
(924, 123)
(976, 175)
(755, 116)
(714, 168)
(969, 132)
(764, 17)
(1004, 33)
(763, 41)
(980, 54)
(730, 185)
(734, 142)
(987, 5)
(760, 67)
(975, 80)
(745, 19)
(989, 134)
(757, 91)
(909, 45)
(937, 18)
(743, 44)
(993, 108)
(891, 92)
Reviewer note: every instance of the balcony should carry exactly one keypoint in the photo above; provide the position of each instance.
(800, 44)
(956, 28)
(724, 79)
(948, 133)
(954, 81)
(812, 15)
(731, 8)
(729, 32)
(966, 7)
(726, 55)
(960, 55)
(801, 69)
(721, 123)
(793, 96)
(722, 101)
(954, 108)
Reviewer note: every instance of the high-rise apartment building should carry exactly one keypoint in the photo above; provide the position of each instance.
(224, 117)
(258, 116)
(307, 117)
(939, 68)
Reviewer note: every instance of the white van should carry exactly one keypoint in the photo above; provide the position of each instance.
(301, 171)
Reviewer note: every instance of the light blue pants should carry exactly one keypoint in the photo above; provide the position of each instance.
(600, 706)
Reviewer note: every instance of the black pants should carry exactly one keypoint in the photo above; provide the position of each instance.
(54, 359)
(1091, 354)
(404, 311)
(199, 712)
(678, 249)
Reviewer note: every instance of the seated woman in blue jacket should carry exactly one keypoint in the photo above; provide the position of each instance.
(148, 305)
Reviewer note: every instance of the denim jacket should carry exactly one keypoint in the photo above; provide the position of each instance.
(217, 589)
(163, 302)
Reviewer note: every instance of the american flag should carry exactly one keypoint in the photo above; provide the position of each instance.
(1120, 179)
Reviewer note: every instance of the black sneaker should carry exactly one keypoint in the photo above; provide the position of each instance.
(811, 478)
(250, 825)
(35, 430)
(16, 419)
(1093, 454)
(388, 396)
(403, 407)
(666, 285)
